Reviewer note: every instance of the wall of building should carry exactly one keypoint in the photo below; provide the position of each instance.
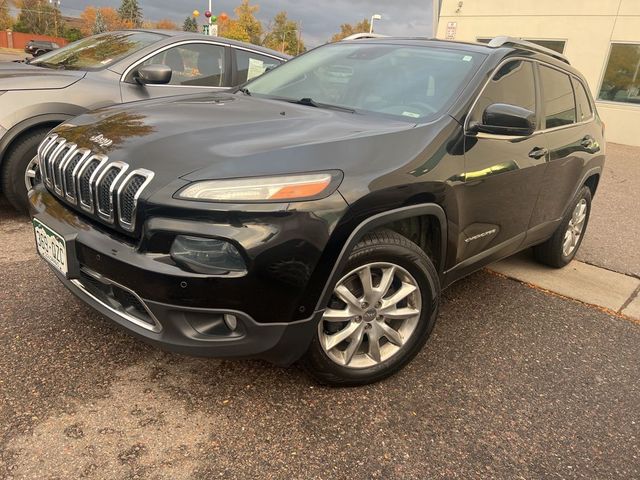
(9, 39)
(588, 27)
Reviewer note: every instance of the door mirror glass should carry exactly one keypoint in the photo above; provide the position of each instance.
(154, 75)
(505, 119)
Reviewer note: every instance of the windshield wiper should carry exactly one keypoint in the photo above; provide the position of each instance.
(52, 66)
(310, 102)
(245, 90)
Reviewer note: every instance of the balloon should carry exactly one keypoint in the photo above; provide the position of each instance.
(196, 13)
(207, 14)
(214, 18)
(223, 16)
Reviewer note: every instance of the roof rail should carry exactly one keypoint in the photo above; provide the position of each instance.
(359, 36)
(504, 41)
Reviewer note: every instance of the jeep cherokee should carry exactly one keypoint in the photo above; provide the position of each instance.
(317, 212)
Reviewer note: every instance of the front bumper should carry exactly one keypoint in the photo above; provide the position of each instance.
(152, 301)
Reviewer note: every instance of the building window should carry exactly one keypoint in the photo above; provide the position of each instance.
(621, 82)
(555, 45)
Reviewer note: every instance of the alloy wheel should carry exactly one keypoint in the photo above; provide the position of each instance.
(575, 228)
(373, 312)
(31, 173)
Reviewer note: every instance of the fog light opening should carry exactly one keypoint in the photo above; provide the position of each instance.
(230, 321)
(206, 255)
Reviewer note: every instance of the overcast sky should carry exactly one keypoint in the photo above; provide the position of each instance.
(320, 19)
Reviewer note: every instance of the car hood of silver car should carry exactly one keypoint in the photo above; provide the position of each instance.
(22, 76)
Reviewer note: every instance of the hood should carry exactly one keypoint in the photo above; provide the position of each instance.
(22, 76)
(227, 135)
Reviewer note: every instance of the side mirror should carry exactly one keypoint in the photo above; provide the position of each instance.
(505, 119)
(154, 75)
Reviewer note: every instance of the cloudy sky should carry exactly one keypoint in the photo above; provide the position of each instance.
(320, 19)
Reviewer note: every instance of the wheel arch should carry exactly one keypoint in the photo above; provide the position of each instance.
(18, 130)
(592, 182)
(395, 220)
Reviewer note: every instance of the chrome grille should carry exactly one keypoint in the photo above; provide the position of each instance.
(90, 182)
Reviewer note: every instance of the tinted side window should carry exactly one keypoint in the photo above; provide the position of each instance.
(196, 64)
(582, 101)
(513, 84)
(251, 65)
(557, 96)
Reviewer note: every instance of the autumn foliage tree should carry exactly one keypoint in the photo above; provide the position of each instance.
(347, 29)
(5, 16)
(165, 24)
(110, 19)
(284, 35)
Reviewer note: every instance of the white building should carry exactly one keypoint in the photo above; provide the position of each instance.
(601, 38)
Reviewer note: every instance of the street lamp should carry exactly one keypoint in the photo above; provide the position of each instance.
(377, 16)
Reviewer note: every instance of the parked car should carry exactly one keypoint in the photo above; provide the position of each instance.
(318, 212)
(40, 47)
(104, 70)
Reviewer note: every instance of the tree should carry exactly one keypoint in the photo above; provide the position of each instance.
(109, 15)
(284, 35)
(130, 13)
(234, 30)
(100, 25)
(5, 16)
(347, 29)
(166, 24)
(72, 34)
(190, 25)
(38, 17)
(248, 22)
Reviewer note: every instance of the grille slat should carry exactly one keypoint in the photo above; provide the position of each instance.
(90, 182)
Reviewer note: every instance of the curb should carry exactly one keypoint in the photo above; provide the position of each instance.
(612, 291)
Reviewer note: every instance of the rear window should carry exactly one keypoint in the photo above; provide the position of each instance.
(557, 96)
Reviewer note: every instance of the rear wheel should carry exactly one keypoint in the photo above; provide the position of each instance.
(380, 315)
(19, 168)
(562, 247)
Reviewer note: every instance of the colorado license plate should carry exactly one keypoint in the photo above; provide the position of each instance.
(51, 246)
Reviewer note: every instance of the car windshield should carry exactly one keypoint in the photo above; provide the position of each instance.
(97, 52)
(405, 81)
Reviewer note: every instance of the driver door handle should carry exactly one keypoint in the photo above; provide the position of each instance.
(587, 141)
(538, 153)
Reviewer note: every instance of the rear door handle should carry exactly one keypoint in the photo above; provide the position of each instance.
(538, 153)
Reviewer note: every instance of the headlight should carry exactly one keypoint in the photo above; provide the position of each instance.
(206, 255)
(270, 189)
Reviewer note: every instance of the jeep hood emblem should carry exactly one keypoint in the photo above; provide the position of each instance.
(101, 140)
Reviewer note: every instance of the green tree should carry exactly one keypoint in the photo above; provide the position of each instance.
(284, 35)
(72, 34)
(99, 26)
(38, 17)
(5, 16)
(248, 22)
(130, 13)
(347, 29)
(190, 25)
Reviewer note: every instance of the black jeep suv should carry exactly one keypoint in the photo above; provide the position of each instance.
(317, 212)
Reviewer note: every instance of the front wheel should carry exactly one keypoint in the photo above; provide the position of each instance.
(560, 249)
(381, 313)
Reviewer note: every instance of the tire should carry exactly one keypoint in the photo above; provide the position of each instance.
(553, 252)
(15, 165)
(379, 255)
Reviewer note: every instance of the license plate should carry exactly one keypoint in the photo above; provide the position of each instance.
(51, 246)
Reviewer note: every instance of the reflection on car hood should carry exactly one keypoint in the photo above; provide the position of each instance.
(22, 76)
(226, 135)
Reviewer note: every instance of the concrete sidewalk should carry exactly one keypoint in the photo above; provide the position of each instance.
(612, 291)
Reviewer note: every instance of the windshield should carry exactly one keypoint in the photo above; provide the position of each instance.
(411, 82)
(97, 52)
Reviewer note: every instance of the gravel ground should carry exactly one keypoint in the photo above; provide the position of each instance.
(514, 383)
(612, 235)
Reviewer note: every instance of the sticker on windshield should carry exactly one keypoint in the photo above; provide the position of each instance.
(467, 58)
(411, 114)
(256, 68)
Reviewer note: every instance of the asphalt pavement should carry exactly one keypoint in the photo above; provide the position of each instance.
(7, 55)
(612, 235)
(514, 383)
